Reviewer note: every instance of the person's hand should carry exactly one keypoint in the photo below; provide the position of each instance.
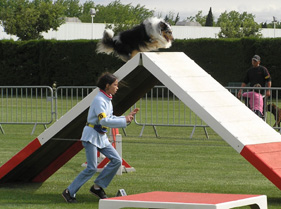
(131, 115)
(267, 94)
(129, 118)
(134, 111)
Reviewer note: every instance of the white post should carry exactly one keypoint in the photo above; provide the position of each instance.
(93, 14)
(92, 33)
(274, 24)
(119, 150)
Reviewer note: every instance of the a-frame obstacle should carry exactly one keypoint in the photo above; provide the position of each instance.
(250, 136)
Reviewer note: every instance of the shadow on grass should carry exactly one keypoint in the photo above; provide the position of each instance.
(274, 201)
(30, 186)
(26, 194)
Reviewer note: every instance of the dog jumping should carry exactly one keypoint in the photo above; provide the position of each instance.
(151, 35)
(276, 111)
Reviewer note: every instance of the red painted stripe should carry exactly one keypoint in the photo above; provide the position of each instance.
(19, 157)
(266, 158)
(125, 164)
(59, 162)
(103, 163)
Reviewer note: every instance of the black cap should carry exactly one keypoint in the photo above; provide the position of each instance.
(256, 58)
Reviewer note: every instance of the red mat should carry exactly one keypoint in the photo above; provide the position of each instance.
(184, 197)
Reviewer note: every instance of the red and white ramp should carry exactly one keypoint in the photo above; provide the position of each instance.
(250, 136)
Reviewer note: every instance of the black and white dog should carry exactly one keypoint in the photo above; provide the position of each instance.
(152, 34)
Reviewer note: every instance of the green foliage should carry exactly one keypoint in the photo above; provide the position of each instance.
(27, 19)
(85, 16)
(171, 19)
(45, 61)
(271, 25)
(76, 63)
(73, 9)
(236, 25)
(198, 18)
(210, 18)
(122, 16)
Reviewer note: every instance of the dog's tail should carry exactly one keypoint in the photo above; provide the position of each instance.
(106, 44)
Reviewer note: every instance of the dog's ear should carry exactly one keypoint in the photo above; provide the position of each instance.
(159, 28)
(163, 25)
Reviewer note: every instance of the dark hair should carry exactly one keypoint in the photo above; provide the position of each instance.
(106, 78)
(257, 85)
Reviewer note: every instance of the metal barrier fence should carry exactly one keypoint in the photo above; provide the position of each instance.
(271, 104)
(160, 107)
(26, 105)
(67, 97)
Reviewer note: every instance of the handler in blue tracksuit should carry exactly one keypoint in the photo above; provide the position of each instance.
(94, 139)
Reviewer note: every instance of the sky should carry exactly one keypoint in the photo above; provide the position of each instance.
(264, 10)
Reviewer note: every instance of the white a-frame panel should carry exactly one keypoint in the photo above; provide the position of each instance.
(221, 110)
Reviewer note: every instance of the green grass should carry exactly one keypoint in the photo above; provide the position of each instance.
(173, 162)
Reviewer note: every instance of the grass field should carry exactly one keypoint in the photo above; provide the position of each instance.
(172, 162)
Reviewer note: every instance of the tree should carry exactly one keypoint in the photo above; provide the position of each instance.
(72, 8)
(171, 19)
(210, 18)
(236, 25)
(27, 19)
(122, 16)
(271, 25)
(198, 18)
(85, 16)
(264, 25)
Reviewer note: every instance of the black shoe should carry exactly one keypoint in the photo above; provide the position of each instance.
(67, 197)
(98, 192)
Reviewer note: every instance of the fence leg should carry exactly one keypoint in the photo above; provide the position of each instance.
(155, 131)
(142, 130)
(2, 130)
(34, 127)
(124, 131)
(206, 133)
(191, 135)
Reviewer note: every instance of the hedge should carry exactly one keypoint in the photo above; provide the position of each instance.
(75, 63)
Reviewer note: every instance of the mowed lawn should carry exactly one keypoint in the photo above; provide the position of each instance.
(171, 162)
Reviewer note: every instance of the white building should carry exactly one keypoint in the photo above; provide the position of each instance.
(77, 30)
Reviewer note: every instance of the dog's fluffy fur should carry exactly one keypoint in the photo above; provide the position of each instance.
(152, 34)
(276, 112)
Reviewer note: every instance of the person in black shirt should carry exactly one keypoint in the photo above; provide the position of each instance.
(257, 74)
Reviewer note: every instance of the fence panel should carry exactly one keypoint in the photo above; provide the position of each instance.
(26, 105)
(159, 107)
(271, 104)
(67, 97)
